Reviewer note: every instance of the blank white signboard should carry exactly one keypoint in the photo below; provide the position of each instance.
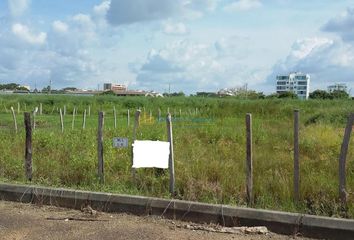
(150, 154)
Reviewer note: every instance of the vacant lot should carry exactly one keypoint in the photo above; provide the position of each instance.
(209, 145)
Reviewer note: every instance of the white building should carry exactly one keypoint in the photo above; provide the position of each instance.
(114, 87)
(296, 82)
(337, 87)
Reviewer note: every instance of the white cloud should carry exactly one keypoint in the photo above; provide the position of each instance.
(190, 66)
(200, 5)
(326, 60)
(243, 5)
(18, 7)
(306, 47)
(342, 25)
(83, 20)
(24, 33)
(60, 27)
(102, 9)
(175, 28)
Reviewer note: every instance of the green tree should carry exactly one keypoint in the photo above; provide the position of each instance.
(46, 89)
(287, 95)
(339, 94)
(320, 94)
(9, 86)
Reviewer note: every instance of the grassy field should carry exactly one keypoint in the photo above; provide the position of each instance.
(209, 149)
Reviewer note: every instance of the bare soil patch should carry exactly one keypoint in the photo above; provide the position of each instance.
(25, 221)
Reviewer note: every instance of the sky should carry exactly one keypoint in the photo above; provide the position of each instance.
(184, 45)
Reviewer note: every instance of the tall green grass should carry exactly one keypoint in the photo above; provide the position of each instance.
(209, 149)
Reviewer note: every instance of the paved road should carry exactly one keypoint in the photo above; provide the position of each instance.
(23, 221)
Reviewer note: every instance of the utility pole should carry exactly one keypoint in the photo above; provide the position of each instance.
(50, 87)
(169, 89)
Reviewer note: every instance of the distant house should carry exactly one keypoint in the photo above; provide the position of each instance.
(296, 82)
(153, 94)
(337, 87)
(225, 92)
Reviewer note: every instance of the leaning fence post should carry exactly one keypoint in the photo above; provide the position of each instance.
(296, 157)
(171, 165)
(343, 158)
(249, 163)
(28, 150)
(100, 147)
(14, 117)
(61, 120)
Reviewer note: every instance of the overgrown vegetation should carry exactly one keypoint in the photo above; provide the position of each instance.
(209, 141)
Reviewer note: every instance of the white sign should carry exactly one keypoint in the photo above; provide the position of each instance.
(120, 142)
(151, 154)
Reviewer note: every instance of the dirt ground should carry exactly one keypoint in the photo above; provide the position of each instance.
(24, 221)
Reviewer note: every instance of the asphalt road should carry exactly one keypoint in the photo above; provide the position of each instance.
(24, 221)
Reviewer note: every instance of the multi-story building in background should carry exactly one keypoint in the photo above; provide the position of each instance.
(337, 87)
(114, 87)
(296, 82)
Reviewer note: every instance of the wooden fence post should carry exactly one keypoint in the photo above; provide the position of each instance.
(136, 126)
(14, 118)
(73, 121)
(40, 109)
(128, 117)
(115, 117)
(296, 157)
(89, 110)
(171, 165)
(64, 110)
(61, 120)
(249, 163)
(136, 123)
(18, 108)
(100, 147)
(34, 118)
(343, 158)
(28, 150)
(150, 116)
(84, 120)
(159, 114)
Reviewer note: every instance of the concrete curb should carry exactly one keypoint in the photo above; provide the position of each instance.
(278, 222)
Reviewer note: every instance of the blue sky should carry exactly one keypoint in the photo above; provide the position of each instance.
(191, 45)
